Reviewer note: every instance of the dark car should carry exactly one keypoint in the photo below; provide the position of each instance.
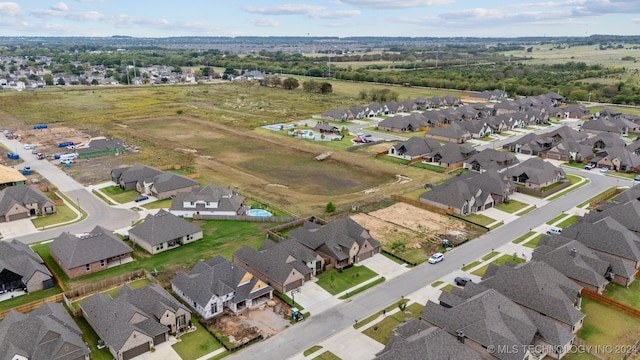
(461, 280)
(141, 198)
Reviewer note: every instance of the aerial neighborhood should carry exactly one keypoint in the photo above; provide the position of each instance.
(473, 225)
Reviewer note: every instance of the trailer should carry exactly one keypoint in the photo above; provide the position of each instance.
(65, 144)
(13, 156)
(40, 126)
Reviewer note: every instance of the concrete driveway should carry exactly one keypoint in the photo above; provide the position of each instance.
(15, 228)
(314, 298)
(163, 351)
(384, 266)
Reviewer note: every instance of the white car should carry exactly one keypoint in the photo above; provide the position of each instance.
(27, 147)
(604, 170)
(436, 258)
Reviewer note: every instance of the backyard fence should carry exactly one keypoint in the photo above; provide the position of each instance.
(25, 308)
(611, 303)
(605, 196)
(225, 340)
(541, 193)
(422, 205)
(282, 219)
(169, 167)
(398, 257)
(99, 285)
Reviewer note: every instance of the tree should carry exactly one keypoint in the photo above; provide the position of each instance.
(290, 83)
(95, 82)
(330, 207)
(310, 86)
(48, 79)
(61, 81)
(326, 88)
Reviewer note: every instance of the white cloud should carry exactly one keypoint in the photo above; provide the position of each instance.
(10, 9)
(285, 9)
(395, 4)
(60, 7)
(264, 22)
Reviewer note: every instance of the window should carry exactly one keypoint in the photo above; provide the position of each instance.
(189, 237)
(214, 308)
(102, 263)
(88, 267)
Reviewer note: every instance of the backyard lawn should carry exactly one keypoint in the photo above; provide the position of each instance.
(336, 282)
(604, 325)
(196, 344)
(119, 195)
(629, 296)
(27, 298)
(381, 332)
(220, 238)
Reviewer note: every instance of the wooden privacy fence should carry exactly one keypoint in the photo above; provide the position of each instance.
(25, 308)
(611, 303)
(605, 196)
(421, 205)
(99, 285)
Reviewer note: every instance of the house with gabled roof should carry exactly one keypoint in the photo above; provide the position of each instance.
(127, 177)
(575, 261)
(604, 140)
(454, 132)
(339, 114)
(393, 107)
(599, 125)
(100, 146)
(477, 128)
(284, 265)
(490, 159)
(401, 123)
(612, 242)
(164, 231)
(95, 251)
(133, 323)
(151, 181)
(412, 148)
(22, 268)
(217, 284)
(341, 242)
(534, 173)
(506, 106)
(618, 159)
(209, 200)
(626, 212)
(450, 154)
(46, 333)
(483, 318)
(324, 127)
(23, 201)
(470, 192)
(567, 150)
(530, 144)
(541, 288)
(415, 339)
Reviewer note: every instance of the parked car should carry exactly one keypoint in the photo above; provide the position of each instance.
(604, 170)
(27, 147)
(141, 198)
(461, 280)
(637, 178)
(436, 258)
(554, 231)
(589, 166)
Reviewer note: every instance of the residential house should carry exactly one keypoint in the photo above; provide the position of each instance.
(324, 127)
(127, 177)
(574, 260)
(599, 125)
(414, 147)
(401, 123)
(506, 106)
(618, 159)
(612, 242)
(470, 193)
(573, 111)
(604, 140)
(285, 265)
(164, 231)
(129, 329)
(498, 124)
(165, 185)
(455, 133)
(339, 114)
(491, 95)
(415, 339)
(434, 118)
(490, 159)
(450, 154)
(626, 213)
(483, 318)
(341, 242)
(22, 268)
(98, 250)
(393, 107)
(23, 201)
(209, 200)
(530, 144)
(534, 173)
(539, 287)
(46, 333)
(477, 128)
(451, 115)
(217, 284)
(567, 150)
(10, 177)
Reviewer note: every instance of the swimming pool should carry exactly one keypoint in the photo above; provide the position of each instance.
(278, 127)
(259, 212)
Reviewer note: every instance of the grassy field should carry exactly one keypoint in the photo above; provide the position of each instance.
(629, 296)
(220, 238)
(335, 282)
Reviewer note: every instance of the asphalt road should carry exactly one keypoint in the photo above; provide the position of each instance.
(98, 212)
(318, 327)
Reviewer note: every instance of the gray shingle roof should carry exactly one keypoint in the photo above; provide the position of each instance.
(151, 300)
(25, 334)
(540, 287)
(227, 200)
(416, 146)
(134, 173)
(218, 277)
(537, 170)
(162, 227)
(626, 214)
(21, 260)
(99, 244)
(493, 159)
(460, 189)
(167, 181)
(608, 236)
(21, 194)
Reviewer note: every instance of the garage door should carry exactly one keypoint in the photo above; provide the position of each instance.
(159, 339)
(18, 216)
(293, 285)
(138, 350)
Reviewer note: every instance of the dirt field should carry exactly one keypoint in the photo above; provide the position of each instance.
(243, 327)
(411, 232)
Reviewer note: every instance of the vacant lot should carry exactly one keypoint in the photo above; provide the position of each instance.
(413, 233)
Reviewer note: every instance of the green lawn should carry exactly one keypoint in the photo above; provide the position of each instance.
(119, 195)
(523, 237)
(586, 203)
(490, 255)
(311, 350)
(626, 295)
(382, 331)
(526, 211)
(102, 197)
(335, 282)
(363, 288)
(436, 283)
(533, 243)
(63, 214)
(196, 344)
(479, 219)
(499, 261)
(134, 284)
(567, 222)
(158, 204)
(556, 219)
(327, 355)
(27, 298)
(471, 265)
(574, 180)
(90, 337)
(220, 238)
(604, 325)
(511, 206)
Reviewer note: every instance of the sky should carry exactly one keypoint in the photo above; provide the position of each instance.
(341, 18)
